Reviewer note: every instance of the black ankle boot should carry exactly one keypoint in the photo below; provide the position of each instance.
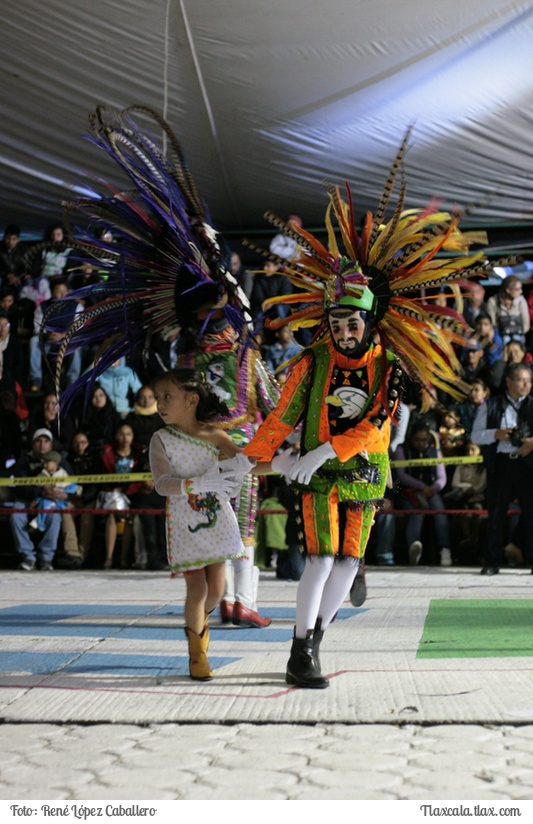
(302, 668)
(318, 634)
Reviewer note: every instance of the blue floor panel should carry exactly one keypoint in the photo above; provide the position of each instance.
(67, 620)
(90, 663)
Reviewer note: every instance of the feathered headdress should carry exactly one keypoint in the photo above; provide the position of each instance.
(168, 267)
(382, 268)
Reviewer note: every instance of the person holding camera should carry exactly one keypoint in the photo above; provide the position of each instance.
(503, 427)
(509, 311)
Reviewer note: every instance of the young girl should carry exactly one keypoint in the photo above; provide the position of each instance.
(467, 491)
(120, 457)
(202, 530)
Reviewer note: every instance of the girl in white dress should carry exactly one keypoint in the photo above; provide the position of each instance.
(202, 530)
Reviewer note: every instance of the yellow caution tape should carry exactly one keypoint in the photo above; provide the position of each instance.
(42, 480)
(433, 461)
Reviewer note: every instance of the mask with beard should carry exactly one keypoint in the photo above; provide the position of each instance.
(350, 330)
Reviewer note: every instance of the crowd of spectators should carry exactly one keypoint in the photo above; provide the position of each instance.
(439, 427)
(109, 430)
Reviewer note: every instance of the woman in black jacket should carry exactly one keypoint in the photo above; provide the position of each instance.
(101, 419)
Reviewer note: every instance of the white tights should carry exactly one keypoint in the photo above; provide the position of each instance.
(323, 588)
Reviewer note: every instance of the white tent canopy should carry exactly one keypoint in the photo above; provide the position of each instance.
(270, 98)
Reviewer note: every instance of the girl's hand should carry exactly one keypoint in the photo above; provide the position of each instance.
(222, 483)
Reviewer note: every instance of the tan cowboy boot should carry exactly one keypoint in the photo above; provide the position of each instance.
(199, 668)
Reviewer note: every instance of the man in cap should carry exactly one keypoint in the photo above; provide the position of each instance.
(28, 465)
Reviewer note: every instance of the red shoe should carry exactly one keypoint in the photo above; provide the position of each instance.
(244, 617)
(226, 611)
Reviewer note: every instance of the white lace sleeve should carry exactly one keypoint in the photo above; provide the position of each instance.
(165, 483)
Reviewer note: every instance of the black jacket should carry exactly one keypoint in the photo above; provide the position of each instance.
(495, 409)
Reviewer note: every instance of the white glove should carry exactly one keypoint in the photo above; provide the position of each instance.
(284, 463)
(241, 464)
(305, 467)
(223, 484)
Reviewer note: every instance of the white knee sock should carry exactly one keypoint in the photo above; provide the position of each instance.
(337, 587)
(310, 590)
(243, 570)
(229, 593)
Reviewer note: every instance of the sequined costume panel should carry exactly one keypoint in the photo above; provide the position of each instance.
(201, 529)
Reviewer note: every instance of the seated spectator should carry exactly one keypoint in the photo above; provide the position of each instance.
(28, 465)
(473, 362)
(11, 360)
(244, 278)
(479, 392)
(35, 291)
(509, 311)
(145, 419)
(82, 462)
(513, 352)
(165, 349)
(467, 491)
(9, 307)
(121, 384)
(452, 434)
(52, 470)
(283, 246)
(57, 324)
(282, 351)
(48, 416)
(489, 339)
(12, 268)
(270, 284)
(10, 434)
(100, 419)
(420, 488)
(49, 258)
(83, 273)
(120, 457)
(428, 410)
(474, 295)
(153, 554)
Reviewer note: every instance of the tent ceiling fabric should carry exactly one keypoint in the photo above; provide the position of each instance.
(269, 99)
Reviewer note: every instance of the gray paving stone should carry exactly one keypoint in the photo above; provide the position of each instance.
(471, 732)
(469, 760)
(247, 782)
(378, 762)
(267, 759)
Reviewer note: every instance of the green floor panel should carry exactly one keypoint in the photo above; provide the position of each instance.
(478, 628)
